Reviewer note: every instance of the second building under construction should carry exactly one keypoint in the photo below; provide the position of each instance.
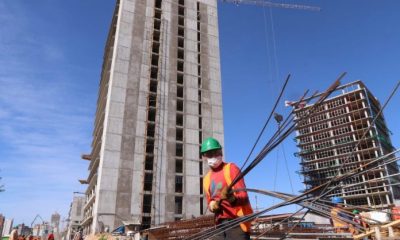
(341, 135)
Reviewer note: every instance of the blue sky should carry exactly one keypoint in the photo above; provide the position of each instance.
(50, 61)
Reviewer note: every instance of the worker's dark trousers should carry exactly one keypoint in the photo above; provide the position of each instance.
(235, 233)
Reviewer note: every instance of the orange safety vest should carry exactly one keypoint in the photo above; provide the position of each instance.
(339, 225)
(240, 210)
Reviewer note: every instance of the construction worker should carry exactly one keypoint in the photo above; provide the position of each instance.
(225, 204)
(50, 236)
(338, 217)
(358, 219)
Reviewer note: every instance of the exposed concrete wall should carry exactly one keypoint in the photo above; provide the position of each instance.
(132, 22)
(119, 192)
(106, 192)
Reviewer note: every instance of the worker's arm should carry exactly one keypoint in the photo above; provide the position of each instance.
(212, 203)
(241, 196)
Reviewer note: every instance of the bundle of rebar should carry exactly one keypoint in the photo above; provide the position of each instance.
(181, 229)
(202, 228)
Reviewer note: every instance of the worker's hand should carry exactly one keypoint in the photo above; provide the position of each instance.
(214, 206)
(227, 195)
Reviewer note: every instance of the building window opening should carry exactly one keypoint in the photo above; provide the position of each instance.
(200, 124)
(201, 206)
(201, 186)
(180, 53)
(181, 32)
(179, 120)
(199, 108)
(154, 60)
(157, 14)
(158, 3)
(181, 21)
(181, 42)
(148, 182)
(150, 129)
(179, 150)
(152, 100)
(149, 163)
(150, 146)
(156, 36)
(178, 205)
(179, 78)
(178, 184)
(153, 86)
(155, 47)
(154, 73)
(179, 105)
(181, 10)
(179, 166)
(151, 115)
(179, 91)
(146, 222)
(147, 203)
(200, 136)
(201, 173)
(179, 134)
(180, 66)
(157, 24)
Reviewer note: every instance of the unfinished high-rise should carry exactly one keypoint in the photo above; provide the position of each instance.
(327, 139)
(159, 96)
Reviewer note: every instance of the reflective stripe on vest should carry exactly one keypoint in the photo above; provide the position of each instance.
(240, 210)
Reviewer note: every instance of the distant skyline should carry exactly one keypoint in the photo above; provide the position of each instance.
(50, 63)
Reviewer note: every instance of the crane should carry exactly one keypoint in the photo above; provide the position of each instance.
(37, 216)
(274, 5)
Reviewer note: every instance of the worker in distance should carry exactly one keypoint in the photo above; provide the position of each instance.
(338, 215)
(225, 204)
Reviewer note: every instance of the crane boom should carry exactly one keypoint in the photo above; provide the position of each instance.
(274, 5)
(36, 217)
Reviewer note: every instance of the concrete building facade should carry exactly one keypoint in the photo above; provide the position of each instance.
(55, 220)
(159, 96)
(7, 227)
(327, 139)
(75, 216)
(41, 230)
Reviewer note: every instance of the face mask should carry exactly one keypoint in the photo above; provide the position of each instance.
(214, 162)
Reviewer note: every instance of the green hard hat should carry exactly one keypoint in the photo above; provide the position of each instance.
(355, 211)
(210, 144)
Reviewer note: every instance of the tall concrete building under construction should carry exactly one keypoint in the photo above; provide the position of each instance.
(327, 138)
(159, 95)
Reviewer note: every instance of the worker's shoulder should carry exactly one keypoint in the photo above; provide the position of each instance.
(232, 165)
